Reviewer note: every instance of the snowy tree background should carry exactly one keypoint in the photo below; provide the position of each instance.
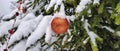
(94, 25)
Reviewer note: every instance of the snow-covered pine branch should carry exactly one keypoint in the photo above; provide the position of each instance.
(25, 28)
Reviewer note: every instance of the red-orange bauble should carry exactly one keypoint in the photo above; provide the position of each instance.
(59, 25)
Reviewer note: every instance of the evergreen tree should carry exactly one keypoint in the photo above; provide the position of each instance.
(61, 25)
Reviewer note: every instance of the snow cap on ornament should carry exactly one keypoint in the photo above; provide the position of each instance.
(59, 23)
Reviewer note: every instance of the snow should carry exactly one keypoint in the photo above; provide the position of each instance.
(49, 35)
(96, 1)
(52, 2)
(89, 11)
(50, 49)
(111, 30)
(64, 39)
(86, 40)
(56, 2)
(5, 26)
(24, 29)
(1, 16)
(5, 6)
(86, 25)
(2, 46)
(59, 2)
(14, 0)
(118, 33)
(82, 18)
(91, 34)
(11, 14)
(37, 8)
(20, 46)
(70, 39)
(13, 4)
(40, 31)
(61, 13)
(36, 48)
(69, 31)
(108, 28)
(82, 5)
(62, 9)
(28, 17)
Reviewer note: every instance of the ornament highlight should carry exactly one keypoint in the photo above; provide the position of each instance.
(59, 25)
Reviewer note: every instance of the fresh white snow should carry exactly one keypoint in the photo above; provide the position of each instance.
(52, 2)
(82, 5)
(108, 28)
(96, 1)
(86, 40)
(10, 15)
(5, 6)
(49, 35)
(28, 17)
(36, 48)
(118, 33)
(64, 39)
(39, 32)
(20, 46)
(91, 34)
(24, 29)
(5, 26)
(111, 30)
(56, 2)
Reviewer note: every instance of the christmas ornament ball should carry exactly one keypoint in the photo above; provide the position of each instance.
(20, 2)
(59, 25)
(16, 13)
(24, 10)
(11, 31)
(5, 50)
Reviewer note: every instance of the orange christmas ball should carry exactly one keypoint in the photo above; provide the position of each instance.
(59, 25)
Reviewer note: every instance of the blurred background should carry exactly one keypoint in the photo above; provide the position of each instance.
(5, 7)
